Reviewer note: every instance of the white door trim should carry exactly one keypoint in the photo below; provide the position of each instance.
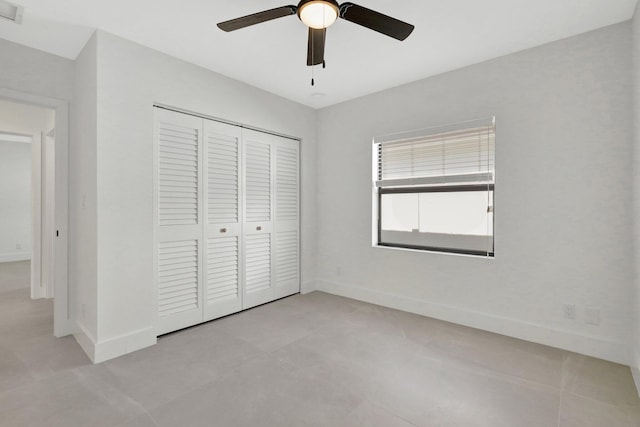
(62, 318)
(37, 291)
(48, 213)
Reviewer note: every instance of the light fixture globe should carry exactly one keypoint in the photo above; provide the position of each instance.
(318, 14)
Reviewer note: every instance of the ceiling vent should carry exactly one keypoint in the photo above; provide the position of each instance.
(11, 12)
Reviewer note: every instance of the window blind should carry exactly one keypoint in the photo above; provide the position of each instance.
(438, 157)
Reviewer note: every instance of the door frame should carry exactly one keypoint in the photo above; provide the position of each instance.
(62, 320)
(48, 239)
(37, 291)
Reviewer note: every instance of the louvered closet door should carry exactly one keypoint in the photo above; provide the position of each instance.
(258, 213)
(222, 292)
(178, 260)
(286, 236)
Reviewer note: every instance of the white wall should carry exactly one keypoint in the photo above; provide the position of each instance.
(131, 78)
(35, 72)
(562, 215)
(82, 197)
(15, 201)
(636, 188)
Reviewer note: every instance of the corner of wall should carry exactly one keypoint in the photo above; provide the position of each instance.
(86, 341)
(635, 371)
(635, 46)
(307, 287)
(312, 285)
(82, 210)
(101, 351)
(121, 345)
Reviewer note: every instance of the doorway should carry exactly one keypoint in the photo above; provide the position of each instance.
(33, 202)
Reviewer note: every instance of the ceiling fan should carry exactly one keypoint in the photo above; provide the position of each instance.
(318, 15)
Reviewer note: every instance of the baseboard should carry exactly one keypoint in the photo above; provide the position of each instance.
(636, 378)
(587, 345)
(15, 256)
(635, 371)
(102, 351)
(86, 341)
(123, 344)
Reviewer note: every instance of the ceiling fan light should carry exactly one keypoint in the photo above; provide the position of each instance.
(318, 14)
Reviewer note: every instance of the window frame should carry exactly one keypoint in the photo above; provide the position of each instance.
(451, 187)
(433, 189)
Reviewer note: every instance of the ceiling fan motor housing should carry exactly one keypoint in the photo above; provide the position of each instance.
(312, 12)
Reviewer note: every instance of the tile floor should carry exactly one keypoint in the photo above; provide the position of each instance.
(14, 275)
(312, 360)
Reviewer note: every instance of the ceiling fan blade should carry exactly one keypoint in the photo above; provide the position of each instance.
(257, 18)
(375, 20)
(315, 46)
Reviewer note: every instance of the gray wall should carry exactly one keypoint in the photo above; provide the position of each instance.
(82, 195)
(32, 71)
(636, 183)
(131, 78)
(562, 215)
(15, 201)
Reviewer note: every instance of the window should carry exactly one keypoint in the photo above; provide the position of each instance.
(433, 189)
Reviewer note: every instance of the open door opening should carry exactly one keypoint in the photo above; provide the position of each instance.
(33, 264)
(43, 209)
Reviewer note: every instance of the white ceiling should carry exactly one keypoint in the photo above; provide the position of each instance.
(449, 34)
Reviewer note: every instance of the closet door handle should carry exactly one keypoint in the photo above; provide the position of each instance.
(223, 230)
(258, 228)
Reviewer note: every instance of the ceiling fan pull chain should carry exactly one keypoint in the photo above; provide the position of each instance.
(324, 64)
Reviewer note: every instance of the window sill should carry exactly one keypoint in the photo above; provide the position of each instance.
(376, 246)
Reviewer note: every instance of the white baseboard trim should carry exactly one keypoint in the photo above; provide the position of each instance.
(307, 287)
(63, 327)
(635, 371)
(587, 345)
(102, 351)
(636, 378)
(86, 341)
(15, 256)
(123, 344)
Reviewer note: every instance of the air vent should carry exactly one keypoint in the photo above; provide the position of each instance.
(11, 12)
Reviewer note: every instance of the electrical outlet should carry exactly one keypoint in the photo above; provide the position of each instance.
(592, 316)
(18, 246)
(569, 311)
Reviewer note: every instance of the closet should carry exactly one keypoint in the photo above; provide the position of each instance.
(226, 218)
